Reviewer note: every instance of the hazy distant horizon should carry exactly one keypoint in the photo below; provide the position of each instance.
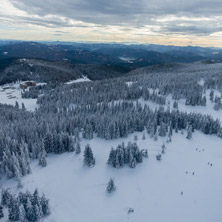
(94, 42)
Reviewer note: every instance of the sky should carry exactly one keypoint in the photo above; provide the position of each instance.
(167, 22)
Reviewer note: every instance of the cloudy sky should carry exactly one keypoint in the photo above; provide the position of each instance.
(169, 22)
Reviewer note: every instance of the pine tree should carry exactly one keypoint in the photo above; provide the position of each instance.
(19, 183)
(29, 210)
(45, 205)
(175, 104)
(71, 145)
(5, 197)
(13, 209)
(89, 159)
(16, 105)
(78, 148)
(163, 148)
(37, 214)
(111, 186)
(158, 157)
(144, 136)
(48, 143)
(112, 158)
(22, 213)
(189, 132)
(42, 158)
(1, 212)
(23, 107)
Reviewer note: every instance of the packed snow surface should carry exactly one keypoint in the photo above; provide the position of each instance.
(153, 189)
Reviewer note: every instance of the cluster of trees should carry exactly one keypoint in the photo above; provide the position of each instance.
(196, 99)
(15, 160)
(218, 103)
(26, 206)
(130, 155)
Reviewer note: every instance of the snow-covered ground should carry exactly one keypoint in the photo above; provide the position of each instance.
(153, 189)
(83, 79)
(10, 93)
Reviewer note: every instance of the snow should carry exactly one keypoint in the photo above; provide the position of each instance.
(83, 79)
(153, 189)
(10, 93)
(130, 83)
(201, 82)
(127, 59)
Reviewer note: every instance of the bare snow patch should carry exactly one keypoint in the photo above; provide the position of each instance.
(83, 79)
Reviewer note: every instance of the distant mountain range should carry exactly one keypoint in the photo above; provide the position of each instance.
(130, 56)
(64, 61)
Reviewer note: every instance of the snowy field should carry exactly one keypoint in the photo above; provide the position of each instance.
(10, 93)
(153, 189)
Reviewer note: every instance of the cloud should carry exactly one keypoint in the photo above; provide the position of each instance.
(126, 17)
(119, 11)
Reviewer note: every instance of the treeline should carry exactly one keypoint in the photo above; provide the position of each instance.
(26, 206)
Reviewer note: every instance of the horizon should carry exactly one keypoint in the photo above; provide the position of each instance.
(94, 42)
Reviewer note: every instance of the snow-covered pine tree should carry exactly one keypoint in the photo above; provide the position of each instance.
(45, 205)
(42, 157)
(1, 212)
(78, 148)
(89, 159)
(158, 157)
(189, 132)
(22, 213)
(111, 186)
(5, 197)
(144, 136)
(13, 209)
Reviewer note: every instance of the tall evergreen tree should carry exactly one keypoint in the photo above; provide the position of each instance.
(89, 159)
